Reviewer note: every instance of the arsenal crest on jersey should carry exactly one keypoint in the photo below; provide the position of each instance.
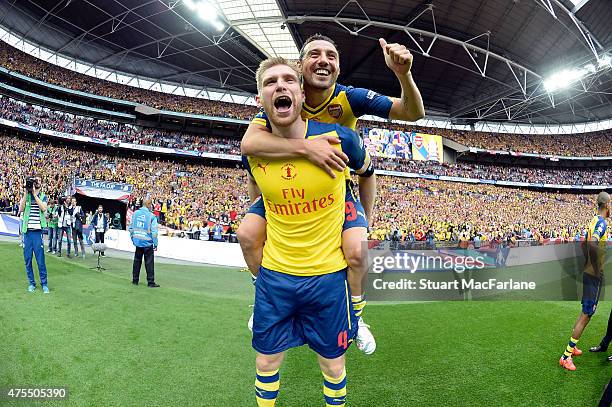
(335, 111)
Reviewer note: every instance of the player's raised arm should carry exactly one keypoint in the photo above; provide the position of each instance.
(409, 106)
(258, 141)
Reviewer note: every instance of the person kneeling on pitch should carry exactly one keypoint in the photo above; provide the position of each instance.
(143, 231)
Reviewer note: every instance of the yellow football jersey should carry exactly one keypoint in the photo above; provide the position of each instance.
(305, 206)
(598, 232)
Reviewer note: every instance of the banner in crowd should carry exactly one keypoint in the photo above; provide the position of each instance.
(103, 189)
(220, 156)
(113, 142)
(427, 147)
(388, 144)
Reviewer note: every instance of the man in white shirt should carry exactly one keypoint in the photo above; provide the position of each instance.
(65, 222)
(100, 224)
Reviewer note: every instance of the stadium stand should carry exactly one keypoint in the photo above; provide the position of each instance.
(561, 176)
(588, 144)
(38, 116)
(413, 207)
(192, 192)
(16, 60)
(196, 193)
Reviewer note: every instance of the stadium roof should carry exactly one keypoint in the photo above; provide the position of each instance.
(486, 59)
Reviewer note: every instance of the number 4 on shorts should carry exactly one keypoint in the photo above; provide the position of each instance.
(343, 340)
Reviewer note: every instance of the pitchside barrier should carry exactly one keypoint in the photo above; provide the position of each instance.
(198, 251)
(549, 262)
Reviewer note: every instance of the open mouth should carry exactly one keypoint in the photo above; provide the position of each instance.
(322, 72)
(283, 103)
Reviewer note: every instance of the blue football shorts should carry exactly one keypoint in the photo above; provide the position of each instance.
(591, 288)
(292, 311)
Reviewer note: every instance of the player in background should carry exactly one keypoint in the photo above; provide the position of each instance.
(302, 295)
(593, 247)
(329, 102)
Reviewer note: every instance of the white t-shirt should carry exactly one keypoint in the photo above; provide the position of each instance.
(100, 223)
(34, 219)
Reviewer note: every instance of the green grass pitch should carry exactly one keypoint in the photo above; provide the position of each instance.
(186, 344)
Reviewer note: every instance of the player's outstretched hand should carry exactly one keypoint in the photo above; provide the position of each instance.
(397, 57)
(322, 153)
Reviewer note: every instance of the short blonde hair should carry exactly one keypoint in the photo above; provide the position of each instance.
(269, 63)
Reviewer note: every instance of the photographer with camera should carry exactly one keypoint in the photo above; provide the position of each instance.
(64, 224)
(33, 205)
(77, 229)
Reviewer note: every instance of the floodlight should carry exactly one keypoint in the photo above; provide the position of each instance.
(563, 79)
(605, 61)
(191, 4)
(207, 11)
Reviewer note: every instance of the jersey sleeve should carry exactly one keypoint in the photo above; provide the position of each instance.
(599, 230)
(262, 119)
(365, 101)
(247, 166)
(352, 145)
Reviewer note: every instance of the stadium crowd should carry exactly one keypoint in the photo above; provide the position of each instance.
(15, 60)
(562, 176)
(38, 116)
(101, 129)
(190, 196)
(588, 144)
(410, 209)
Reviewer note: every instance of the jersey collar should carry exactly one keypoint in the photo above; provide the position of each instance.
(317, 109)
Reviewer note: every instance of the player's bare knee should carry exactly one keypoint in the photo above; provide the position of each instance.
(268, 363)
(334, 369)
(355, 259)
